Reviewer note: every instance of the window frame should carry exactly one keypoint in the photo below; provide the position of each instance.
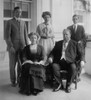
(21, 2)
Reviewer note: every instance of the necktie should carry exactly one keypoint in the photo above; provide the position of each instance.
(75, 28)
(18, 21)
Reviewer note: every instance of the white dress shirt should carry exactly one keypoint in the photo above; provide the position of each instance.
(65, 44)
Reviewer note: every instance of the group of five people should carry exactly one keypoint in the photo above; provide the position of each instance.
(43, 49)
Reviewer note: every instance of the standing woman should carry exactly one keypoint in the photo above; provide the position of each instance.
(33, 72)
(45, 32)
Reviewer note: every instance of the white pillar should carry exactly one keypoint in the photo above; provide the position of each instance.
(3, 53)
(89, 24)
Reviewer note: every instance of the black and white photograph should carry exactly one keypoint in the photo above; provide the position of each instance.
(45, 50)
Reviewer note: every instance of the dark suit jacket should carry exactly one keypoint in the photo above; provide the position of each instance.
(16, 34)
(72, 52)
(78, 35)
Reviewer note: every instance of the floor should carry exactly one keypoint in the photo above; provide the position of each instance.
(83, 91)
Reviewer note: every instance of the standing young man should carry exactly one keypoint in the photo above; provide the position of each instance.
(78, 35)
(77, 31)
(16, 39)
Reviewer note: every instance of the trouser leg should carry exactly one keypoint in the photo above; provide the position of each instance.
(12, 64)
(18, 72)
(71, 73)
(56, 70)
(19, 62)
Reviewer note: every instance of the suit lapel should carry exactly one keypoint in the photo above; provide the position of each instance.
(75, 29)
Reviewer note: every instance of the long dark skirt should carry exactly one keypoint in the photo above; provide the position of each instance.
(32, 77)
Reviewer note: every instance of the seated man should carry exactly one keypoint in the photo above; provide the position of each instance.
(63, 56)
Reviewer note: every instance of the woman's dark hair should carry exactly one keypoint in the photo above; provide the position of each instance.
(46, 13)
(33, 33)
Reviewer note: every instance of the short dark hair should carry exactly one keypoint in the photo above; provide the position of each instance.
(75, 15)
(15, 8)
(46, 13)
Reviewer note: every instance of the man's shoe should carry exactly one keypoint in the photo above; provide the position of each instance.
(35, 93)
(68, 89)
(27, 93)
(57, 89)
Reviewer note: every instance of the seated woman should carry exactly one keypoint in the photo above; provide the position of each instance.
(33, 72)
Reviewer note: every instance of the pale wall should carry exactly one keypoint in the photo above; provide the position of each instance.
(88, 59)
(46, 5)
(3, 52)
(88, 25)
(87, 22)
(62, 11)
(38, 6)
(2, 42)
